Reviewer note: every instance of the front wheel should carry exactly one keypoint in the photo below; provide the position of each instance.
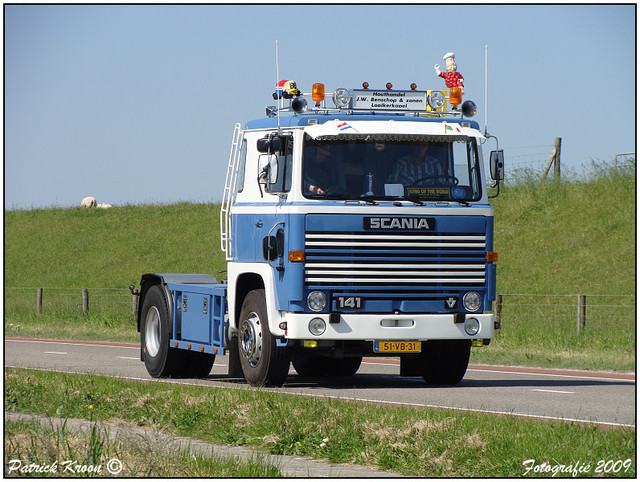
(345, 367)
(444, 362)
(263, 362)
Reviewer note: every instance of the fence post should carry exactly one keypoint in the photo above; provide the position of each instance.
(581, 320)
(134, 305)
(39, 301)
(85, 301)
(556, 161)
(498, 313)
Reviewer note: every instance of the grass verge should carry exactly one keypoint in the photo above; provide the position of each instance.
(424, 442)
(31, 449)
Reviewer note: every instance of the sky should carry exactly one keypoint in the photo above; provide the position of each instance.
(136, 104)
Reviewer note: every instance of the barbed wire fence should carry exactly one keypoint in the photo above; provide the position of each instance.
(527, 163)
(524, 162)
(568, 313)
(112, 301)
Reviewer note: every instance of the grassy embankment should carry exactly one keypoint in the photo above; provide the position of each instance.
(567, 239)
(572, 238)
(435, 443)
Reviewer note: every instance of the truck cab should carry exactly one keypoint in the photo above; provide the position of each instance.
(360, 229)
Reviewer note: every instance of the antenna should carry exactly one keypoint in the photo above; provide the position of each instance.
(486, 89)
(279, 101)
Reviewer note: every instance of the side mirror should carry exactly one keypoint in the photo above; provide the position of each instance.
(273, 246)
(496, 164)
(269, 144)
(267, 169)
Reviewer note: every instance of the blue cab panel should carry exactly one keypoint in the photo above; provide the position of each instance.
(199, 317)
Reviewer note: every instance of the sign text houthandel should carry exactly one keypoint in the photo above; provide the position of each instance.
(390, 99)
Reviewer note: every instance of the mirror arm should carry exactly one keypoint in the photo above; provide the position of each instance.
(260, 187)
(497, 184)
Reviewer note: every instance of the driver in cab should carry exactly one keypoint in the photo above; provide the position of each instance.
(317, 171)
(418, 168)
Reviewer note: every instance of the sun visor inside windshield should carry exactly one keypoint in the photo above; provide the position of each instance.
(389, 130)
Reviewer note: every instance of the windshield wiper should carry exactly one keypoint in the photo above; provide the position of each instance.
(415, 201)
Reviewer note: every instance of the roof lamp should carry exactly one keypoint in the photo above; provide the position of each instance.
(317, 93)
(436, 99)
(389, 86)
(413, 86)
(468, 108)
(365, 85)
(341, 98)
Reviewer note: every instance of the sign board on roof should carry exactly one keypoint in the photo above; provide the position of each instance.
(410, 100)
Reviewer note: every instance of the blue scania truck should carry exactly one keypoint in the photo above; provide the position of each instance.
(351, 230)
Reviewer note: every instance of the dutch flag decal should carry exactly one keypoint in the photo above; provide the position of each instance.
(344, 126)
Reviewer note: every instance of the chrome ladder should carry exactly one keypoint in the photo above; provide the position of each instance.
(230, 191)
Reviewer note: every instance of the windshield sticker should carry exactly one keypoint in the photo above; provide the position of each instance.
(458, 192)
(429, 192)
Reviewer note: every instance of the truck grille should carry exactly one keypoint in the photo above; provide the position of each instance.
(424, 261)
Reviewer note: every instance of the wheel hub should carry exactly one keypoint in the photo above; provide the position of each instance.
(152, 332)
(251, 339)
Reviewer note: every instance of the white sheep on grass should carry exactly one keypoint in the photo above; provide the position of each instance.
(88, 202)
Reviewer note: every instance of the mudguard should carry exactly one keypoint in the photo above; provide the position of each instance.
(150, 279)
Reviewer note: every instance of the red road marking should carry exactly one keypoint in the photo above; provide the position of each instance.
(74, 342)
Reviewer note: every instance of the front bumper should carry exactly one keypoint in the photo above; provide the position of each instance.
(360, 326)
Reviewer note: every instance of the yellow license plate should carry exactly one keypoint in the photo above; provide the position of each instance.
(397, 346)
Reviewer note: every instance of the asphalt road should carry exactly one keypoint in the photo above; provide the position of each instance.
(607, 399)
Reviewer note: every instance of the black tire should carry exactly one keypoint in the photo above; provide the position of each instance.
(444, 362)
(263, 363)
(345, 367)
(155, 328)
(309, 365)
(198, 365)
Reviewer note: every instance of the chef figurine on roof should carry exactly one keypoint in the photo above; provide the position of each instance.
(452, 79)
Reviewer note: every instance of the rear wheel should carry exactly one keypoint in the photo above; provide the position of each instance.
(444, 362)
(155, 332)
(263, 362)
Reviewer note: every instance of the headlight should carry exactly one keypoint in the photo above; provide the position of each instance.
(436, 99)
(472, 326)
(317, 301)
(471, 301)
(317, 326)
(341, 98)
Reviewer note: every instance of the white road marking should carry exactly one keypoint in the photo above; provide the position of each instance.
(55, 353)
(137, 358)
(348, 399)
(550, 374)
(550, 391)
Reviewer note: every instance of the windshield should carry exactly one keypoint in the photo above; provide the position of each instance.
(417, 169)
